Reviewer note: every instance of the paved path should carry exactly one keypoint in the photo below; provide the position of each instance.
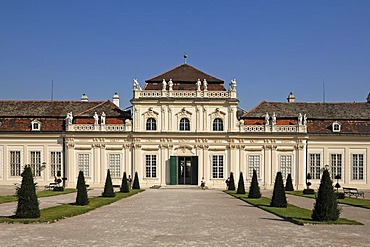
(180, 217)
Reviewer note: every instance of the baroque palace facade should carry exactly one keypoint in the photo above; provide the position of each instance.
(184, 125)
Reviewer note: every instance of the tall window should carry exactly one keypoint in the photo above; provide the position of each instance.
(56, 163)
(15, 163)
(254, 163)
(115, 165)
(336, 165)
(315, 164)
(151, 166)
(357, 166)
(84, 164)
(151, 124)
(184, 124)
(285, 165)
(218, 124)
(35, 163)
(218, 166)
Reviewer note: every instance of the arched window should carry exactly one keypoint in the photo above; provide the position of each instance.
(184, 124)
(218, 124)
(151, 124)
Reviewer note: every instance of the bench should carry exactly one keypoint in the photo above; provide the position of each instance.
(353, 192)
(51, 186)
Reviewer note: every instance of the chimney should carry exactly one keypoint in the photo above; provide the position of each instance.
(116, 99)
(291, 98)
(84, 98)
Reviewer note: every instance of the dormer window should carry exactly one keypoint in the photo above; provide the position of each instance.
(36, 125)
(336, 127)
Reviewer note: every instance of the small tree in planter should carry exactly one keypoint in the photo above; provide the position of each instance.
(108, 187)
(340, 195)
(232, 183)
(81, 198)
(241, 187)
(326, 205)
(136, 184)
(254, 189)
(125, 188)
(28, 205)
(289, 183)
(308, 184)
(278, 196)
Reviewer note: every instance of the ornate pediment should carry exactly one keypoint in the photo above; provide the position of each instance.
(217, 113)
(150, 113)
(184, 113)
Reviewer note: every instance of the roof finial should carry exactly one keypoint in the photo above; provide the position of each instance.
(185, 57)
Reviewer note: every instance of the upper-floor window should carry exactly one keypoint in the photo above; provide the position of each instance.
(151, 124)
(218, 124)
(36, 125)
(184, 124)
(336, 127)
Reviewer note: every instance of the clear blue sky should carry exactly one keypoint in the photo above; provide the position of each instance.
(270, 47)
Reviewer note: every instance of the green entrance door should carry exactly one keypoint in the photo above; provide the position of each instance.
(184, 170)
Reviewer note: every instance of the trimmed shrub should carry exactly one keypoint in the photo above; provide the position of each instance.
(241, 187)
(308, 191)
(28, 205)
(289, 184)
(278, 196)
(232, 183)
(254, 189)
(326, 205)
(125, 188)
(136, 185)
(81, 198)
(108, 187)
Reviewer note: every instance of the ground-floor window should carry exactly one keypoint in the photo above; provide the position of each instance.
(56, 163)
(217, 166)
(285, 165)
(357, 166)
(315, 165)
(151, 166)
(15, 163)
(254, 163)
(336, 165)
(115, 165)
(84, 164)
(35, 162)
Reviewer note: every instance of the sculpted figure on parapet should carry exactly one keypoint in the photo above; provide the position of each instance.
(103, 118)
(170, 85)
(198, 84)
(136, 85)
(232, 85)
(267, 117)
(69, 118)
(164, 84)
(96, 118)
(300, 119)
(205, 85)
(273, 119)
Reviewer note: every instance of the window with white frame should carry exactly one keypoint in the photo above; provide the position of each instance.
(151, 166)
(254, 163)
(357, 166)
(336, 165)
(84, 164)
(336, 127)
(217, 166)
(315, 165)
(285, 165)
(115, 165)
(35, 162)
(184, 124)
(36, 125)
(151, 124)
(15, 163)
(218, 124)
(56, 163)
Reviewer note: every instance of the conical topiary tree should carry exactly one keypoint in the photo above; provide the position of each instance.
(254, 189)
(28, 205)
(136, 184)
(125, 188)
(232, 183)
(278, 196)
(326, 205)
(289, 183)
(241, 187)
(108, 187)
(81, 198)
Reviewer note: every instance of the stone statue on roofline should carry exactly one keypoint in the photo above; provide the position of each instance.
(103, 118)
(205, 85)
(136, 85)
(164, 85)
(170, 85)
(304, 119)
(96, 118)
(267, 117)
(69, 118)
(198, 83)
(232, 85)
(273, 119)
(300, 119)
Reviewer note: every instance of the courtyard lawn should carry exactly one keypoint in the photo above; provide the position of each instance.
(53, 214)
(46, 193)
(356, 202)
(292, 213)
